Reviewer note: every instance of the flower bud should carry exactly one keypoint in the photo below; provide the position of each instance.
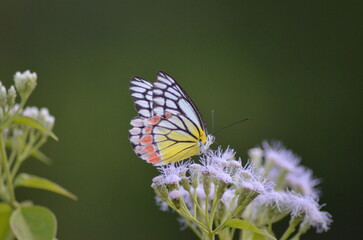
(195, 171)
(159, 186)
(185, 183)
(3, 97)
(25, 83)
(207, 180)
(11, 96)
(175, 196)
(256, 155)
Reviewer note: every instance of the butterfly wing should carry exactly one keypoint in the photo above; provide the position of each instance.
(163, 140)
(141, 94)
(169, 97)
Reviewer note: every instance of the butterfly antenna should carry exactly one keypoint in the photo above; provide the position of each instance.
(213, 121)
(230, 125)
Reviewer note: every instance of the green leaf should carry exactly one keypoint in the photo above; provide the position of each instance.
(5, 212)
(31, 181)
(242, 224)
(33, 223)
(35, 124)
(41, 157)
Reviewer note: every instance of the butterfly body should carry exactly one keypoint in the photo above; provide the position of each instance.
(169, 127)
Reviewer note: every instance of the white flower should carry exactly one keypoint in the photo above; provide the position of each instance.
(278, 155)
(42, 116)
(255, 153)
(218, 157)
(234, 164)
(308, 208)
(224, 177)
(301, 180)
(158, 181)
(227, 198)
(175, 194)
(174, 172)
(209, 165)
(272, 199)
(252, 179)
(32, 112)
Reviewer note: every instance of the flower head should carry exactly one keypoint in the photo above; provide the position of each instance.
(41, 115)
(309, 208)
(302, 181)
(277, 155)
(25, 83)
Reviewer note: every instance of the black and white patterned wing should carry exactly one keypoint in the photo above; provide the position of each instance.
(142, 94)
(169, 97)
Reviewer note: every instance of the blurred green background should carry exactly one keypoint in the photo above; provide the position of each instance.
(294, 68)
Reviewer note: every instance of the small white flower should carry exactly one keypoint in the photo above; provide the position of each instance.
(252, 179)
(278, 155)
(195, 169)
(209, 166)
(42, 116)
(273, 199)
(224, 177)
(175, 194)
(158, 181)
(234, 164)
(227, 197)
(227, 154)
(177, 169)
(218, 157)
(308, 208)
(171, 179)
(32, 112)
(301, 180)
(172, 172)
(255, 153)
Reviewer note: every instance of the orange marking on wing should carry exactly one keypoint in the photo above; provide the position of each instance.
(149, 148)
(148, 129)
(167, 115)
(147, 139)
(153, 158)
(153, 120)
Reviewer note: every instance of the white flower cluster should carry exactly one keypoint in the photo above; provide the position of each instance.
(213, 191)
(18, 129)
(282, 166)
(41, 115)
(295, 192)
(25, 83)
(270, 187)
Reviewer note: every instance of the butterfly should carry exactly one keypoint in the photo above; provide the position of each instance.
(169, 127)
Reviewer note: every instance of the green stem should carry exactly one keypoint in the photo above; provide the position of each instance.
(194, 229)
(214, 207)
(9, 181)
(293, 223)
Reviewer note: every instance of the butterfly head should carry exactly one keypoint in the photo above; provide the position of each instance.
(204, 146)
